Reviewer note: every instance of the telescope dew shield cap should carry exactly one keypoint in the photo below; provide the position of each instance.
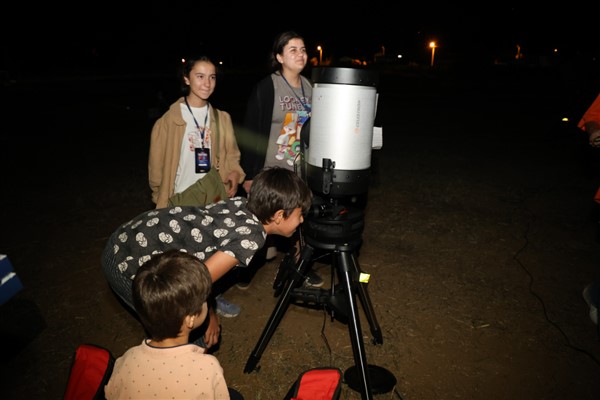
(338, 158)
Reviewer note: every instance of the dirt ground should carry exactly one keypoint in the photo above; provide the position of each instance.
(480, 235)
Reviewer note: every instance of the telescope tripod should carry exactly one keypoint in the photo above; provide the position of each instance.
(340, 301)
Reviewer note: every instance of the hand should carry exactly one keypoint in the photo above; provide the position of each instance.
(232, 183)
(231, 188)
(595, 138)
(213, 331)
(246, 185)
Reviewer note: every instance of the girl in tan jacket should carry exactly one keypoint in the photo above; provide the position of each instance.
(191, 128)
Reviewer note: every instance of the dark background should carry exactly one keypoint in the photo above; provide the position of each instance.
(144, 37)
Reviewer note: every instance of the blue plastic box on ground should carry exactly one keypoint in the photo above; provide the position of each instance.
(10, 284)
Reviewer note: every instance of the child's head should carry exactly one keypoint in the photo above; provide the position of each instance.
(166, 289)
(277, 188)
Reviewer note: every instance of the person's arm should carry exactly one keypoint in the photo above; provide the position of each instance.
(218, 265)
(213, 330)
(156, 158)
(229, 154)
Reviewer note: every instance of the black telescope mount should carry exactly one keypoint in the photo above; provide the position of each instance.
(336, 230)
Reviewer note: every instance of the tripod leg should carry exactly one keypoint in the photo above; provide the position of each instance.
(360, 359)
(279, 311)
(367, 306)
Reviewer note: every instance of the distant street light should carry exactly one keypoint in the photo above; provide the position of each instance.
(433, 46)
(320, 54)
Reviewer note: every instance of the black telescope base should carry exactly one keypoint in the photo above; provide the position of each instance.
(340, 302)
(382, 380)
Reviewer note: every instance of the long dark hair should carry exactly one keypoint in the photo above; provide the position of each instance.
(280, 42)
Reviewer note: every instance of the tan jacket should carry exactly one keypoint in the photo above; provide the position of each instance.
(165, 147)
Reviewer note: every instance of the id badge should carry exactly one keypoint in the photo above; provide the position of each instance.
(202, 160)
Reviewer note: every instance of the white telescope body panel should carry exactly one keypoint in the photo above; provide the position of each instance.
(341, 126)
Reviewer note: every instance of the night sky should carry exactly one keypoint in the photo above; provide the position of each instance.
(153, 35)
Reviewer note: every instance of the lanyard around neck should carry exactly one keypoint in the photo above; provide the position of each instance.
(304, 105)
(201, 130)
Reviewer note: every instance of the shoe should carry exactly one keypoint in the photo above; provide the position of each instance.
(313, 280)
(591, 295)
(227, 309)
(243, 285)
(271, 253)
(200, 342)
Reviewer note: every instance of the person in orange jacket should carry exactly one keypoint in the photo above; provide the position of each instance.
(590, 124)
